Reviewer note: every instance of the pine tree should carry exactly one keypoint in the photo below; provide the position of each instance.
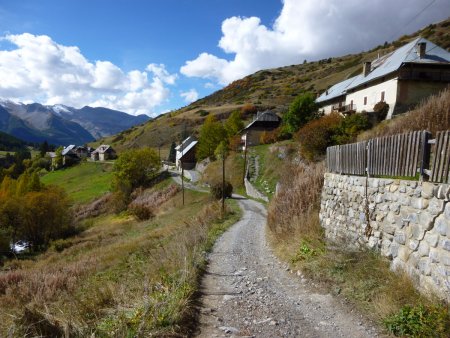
(172, 153)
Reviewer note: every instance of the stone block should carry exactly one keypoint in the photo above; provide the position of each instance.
(424, 249)
(403, 253)
(379, 198)
(374, 182)
(445, 259)
(379, 217)
(447, 211)
(417, 192)
(404, 200)
(428, 189)
(385, 248)
(419, 203)
(426, 220)
(424, 266)
(413, 244)
(412, 184)
(400, 237)
(389, 228)
(417, 231)
(394, 248)
(441, 225)
(395, 207)
(432, 239)
(445, 243)
(402, 189)
(434, 256)
(373, 242)
(442, 191)
(393, 188)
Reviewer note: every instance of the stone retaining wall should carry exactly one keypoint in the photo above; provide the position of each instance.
(406, 221)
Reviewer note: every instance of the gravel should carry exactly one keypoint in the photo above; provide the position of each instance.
(247, 292)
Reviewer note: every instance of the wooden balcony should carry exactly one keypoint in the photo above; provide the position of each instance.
(344, 109)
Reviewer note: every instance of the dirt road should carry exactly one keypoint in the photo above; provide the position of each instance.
(247, 292)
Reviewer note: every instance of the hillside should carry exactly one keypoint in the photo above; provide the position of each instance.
(271, 88)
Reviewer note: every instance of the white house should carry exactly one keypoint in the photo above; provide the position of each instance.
(401, 78)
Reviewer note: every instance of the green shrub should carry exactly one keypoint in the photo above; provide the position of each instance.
(381, 109)
(350, 126)
(216, 190)
(60, 244)
(420, 321)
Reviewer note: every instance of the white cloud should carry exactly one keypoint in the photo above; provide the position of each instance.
(190, 95)
(310, 29)
(39, 69)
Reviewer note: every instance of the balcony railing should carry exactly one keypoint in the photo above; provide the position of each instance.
(344, 109)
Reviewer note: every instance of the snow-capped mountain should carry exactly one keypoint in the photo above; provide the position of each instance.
(62, 125)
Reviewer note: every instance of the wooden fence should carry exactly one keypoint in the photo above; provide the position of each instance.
(405, 155)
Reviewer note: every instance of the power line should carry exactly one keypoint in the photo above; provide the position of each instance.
(414, 17)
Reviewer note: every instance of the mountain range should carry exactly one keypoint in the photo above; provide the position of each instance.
(63, 125)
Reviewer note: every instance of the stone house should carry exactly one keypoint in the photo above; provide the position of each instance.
(103, 153)
(401, 78)
(263, 122)
(186, 154)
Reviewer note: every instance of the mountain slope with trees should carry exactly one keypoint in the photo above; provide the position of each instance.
(271, 88)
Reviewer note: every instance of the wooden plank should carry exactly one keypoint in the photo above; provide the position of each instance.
(397, 154)
(444, 155)
(437, 157)
(408, 153)
(447, 160)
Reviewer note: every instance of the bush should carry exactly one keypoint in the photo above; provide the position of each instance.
(348, 129)
(301, 111)
(420, 321)
(141, 212)
(317, 135)
(216, 190)
(381, 109)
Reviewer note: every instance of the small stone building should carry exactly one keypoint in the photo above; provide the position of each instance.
(263, 122)
(103, 153)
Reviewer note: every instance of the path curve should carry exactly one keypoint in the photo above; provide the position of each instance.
(247, 292)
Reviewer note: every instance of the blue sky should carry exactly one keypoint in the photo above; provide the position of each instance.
(153, 56)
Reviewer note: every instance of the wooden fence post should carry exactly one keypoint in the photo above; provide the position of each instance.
(425, 156)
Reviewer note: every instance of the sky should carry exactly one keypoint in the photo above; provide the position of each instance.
(153, 56)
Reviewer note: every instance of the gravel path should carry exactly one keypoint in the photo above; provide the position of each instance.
(247, 292)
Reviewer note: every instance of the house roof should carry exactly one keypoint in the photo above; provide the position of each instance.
(187, 149)
(103, 149)
(390, 63)
(185, 143)
(68, 149)
(265, 116)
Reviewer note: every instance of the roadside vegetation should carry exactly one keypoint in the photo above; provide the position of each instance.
(364, 278)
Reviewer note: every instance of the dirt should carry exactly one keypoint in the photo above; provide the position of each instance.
(248, 292)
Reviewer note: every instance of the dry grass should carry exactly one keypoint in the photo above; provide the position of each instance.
(234, 171)
(432, 114)
(120, 277)
(297, 237)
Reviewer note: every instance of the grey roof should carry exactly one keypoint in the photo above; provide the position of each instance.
(102, 149)
(390, 63)
(185, 143)
(265, 116)
(68, 149)
(189, 147)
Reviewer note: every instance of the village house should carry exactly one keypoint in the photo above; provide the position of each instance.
(265, 121)
(186, 154)
(103, 153)
(401, 79)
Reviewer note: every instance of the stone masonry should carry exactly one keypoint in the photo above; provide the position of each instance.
(406, 221)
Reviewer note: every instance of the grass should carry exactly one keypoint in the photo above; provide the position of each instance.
(234, 171)
(120, 277)
(364, 278)
(84, 182)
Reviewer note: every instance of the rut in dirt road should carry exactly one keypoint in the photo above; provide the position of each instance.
(247, 292)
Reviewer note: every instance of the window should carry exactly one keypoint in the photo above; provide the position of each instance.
(382, 96)
(365, 100)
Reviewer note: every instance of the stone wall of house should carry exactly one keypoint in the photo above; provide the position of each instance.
(406, 221)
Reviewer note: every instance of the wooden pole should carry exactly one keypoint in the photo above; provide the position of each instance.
(223, 183)
(245, 160)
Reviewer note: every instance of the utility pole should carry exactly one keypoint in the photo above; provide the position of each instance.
(181, 163)
(245, 159)
(223, 182)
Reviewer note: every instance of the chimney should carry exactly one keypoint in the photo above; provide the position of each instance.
(421, 48)
(366, 68)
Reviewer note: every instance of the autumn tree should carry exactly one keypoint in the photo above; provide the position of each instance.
(234, 123)
(212, 132)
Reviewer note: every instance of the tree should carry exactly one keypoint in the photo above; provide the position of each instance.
(172, 153)
(234, 123)
(136, 167)
(212, 133)
(302, 110)
(43, 148)
(58, 162)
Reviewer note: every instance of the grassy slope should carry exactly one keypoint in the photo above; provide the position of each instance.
(275, 88)
(121, 277)
(83, 182)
